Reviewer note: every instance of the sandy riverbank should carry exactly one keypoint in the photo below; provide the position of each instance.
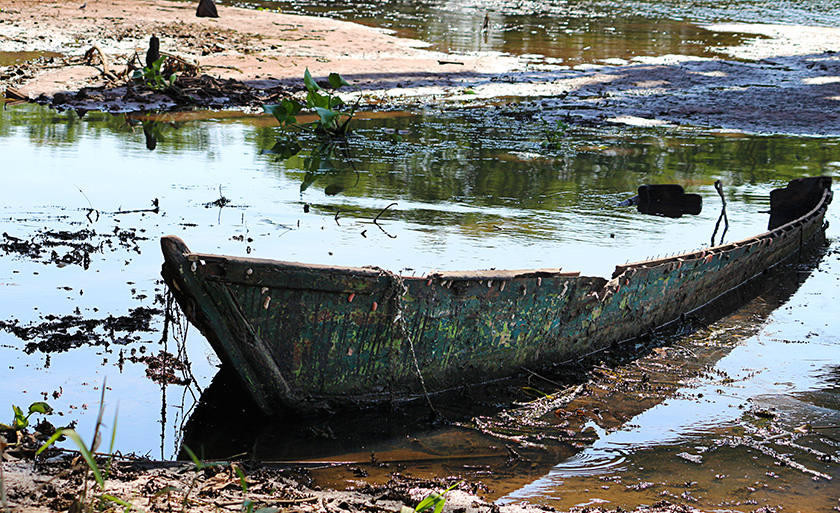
(786, 79)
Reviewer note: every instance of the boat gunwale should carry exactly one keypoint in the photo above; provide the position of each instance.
(374, 273)
(821, 207)
(257, 272)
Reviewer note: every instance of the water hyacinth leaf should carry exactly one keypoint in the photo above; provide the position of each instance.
(317, 100)
(157, 64)
(333, 189)
(284, 111)
(40, 407)
(21, 422)
(336, 81)
(308, 179)
(312, 163)
(328, 117)
(309, 82)
(284, 149)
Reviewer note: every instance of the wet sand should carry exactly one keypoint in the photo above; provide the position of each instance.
(784, 80)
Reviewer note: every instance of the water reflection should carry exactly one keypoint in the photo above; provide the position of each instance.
(669, 200)
(741, 436)
(570, 33)
(472, 190)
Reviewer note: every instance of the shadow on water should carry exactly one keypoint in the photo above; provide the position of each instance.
(498, 434)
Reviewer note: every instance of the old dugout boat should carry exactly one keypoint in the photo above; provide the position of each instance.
(308, 337)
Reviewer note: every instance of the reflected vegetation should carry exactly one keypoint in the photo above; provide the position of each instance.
(571, 33)
(495, 160)
(669, 200)
(489, 159)
(479, 173)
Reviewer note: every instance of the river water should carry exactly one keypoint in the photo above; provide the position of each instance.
(85, 201)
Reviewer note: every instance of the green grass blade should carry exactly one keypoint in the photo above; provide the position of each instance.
(87, 455)
(242, 482)
(111, 447)
(194, 458)
(127, 505)
(58, 434)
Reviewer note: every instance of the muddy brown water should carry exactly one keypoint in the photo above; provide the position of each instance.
(10, 58)
(566, 32)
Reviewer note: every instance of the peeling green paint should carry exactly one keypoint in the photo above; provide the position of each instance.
(301, 334)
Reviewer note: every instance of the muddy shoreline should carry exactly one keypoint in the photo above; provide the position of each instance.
(782, 80)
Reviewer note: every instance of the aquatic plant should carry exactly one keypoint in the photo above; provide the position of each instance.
(554, 135)
(21, 420)
(332, 157)
(332, 120)
(151, 76)
(433, 500)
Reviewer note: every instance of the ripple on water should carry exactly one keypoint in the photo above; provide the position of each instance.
(591, 462)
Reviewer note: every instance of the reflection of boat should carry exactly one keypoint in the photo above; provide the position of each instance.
(310, 336)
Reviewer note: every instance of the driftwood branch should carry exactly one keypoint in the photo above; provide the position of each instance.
(193, 66)
(375, 219)
(102, 57)
(719, 189)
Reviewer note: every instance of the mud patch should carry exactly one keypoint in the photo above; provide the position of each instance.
(197, 38)
(58, 334)
(161, 367)
(63, 248)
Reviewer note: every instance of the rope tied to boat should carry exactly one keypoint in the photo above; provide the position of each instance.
(395, 293)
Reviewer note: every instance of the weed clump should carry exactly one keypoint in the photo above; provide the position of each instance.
(333, 116)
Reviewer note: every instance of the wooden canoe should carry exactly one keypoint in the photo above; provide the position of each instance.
(309, 337)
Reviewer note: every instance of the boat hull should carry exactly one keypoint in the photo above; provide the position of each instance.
(309, 337)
